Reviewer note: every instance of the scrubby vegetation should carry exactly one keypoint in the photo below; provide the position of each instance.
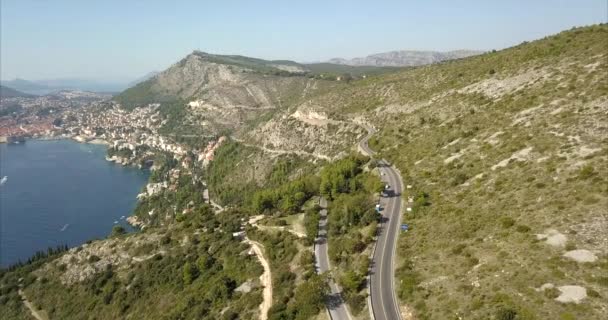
(500, 148)
(192, 275)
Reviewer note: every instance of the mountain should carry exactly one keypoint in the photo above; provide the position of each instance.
(6, 92)
(405, 58)
(42, 87)
(27, 86)
(237, 93)
(233, 79)
(200, 74)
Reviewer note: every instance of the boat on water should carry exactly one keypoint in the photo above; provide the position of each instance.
(64, 227)
(13, 140)
(3, 180)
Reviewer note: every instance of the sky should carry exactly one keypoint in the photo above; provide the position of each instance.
(122, 40)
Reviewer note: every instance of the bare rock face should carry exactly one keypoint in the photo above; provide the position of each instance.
(553, 238)
(571, 294)
(307, 132)
(581, 255)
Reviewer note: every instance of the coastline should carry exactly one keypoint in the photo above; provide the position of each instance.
(80, 139)
(69, 157)
(131, 219)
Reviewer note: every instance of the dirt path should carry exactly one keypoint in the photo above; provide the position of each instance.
(38, 314)
(265, 278)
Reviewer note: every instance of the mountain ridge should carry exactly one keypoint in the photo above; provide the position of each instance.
(7, 92)
(405, 58)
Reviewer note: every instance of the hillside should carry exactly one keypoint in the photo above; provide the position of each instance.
(238, 94)
(505, 154)
(6, 92)
(405, 58)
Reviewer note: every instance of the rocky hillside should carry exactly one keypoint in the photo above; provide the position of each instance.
(239, 95)
(506, 153)
(405, 58)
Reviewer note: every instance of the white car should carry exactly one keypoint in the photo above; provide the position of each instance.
(386, 187)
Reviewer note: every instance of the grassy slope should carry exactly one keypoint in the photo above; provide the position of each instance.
(473, 251)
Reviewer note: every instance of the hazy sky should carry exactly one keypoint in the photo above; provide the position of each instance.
(126, 39)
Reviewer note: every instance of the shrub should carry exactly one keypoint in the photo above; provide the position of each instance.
(594, 294)
(506, 314)
(458, 248)
(190, 273)
(117, 231)
(551, 293)
(507, 222)
(586, 172)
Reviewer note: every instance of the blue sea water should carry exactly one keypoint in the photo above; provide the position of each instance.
(60, 192)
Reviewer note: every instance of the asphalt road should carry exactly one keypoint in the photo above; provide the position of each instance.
(335, 305)
(382, 292)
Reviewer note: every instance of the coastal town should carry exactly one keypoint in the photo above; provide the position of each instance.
(23, 117)
(93, 118)
(132, 137)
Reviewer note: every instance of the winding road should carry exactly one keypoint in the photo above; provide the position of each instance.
(335, 304)
(383, 302)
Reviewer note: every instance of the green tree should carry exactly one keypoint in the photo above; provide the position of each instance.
(309, 297)
(352, 281)
(190, 273)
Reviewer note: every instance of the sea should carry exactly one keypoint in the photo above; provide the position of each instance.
(61, 192)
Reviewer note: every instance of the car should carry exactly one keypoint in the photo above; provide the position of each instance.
(386, 187)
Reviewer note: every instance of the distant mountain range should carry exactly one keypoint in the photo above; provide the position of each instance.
(405, 58)
(6, 92)
(43, 87)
